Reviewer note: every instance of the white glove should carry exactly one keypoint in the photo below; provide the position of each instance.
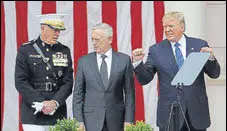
(38, 107)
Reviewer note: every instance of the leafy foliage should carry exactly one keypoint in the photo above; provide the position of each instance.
(65, 125)
(139, 126)
(72, 125)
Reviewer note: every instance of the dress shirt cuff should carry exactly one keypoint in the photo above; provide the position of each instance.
(135, 64)
(57, 104)
(212, 58)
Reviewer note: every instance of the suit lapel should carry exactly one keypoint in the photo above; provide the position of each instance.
(189, 46)
(94, 66)
(114, 66)
(170, 54)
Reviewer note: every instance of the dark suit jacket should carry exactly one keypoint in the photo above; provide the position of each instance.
(193, 98)
(92, 103)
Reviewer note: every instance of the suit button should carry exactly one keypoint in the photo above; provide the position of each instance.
(34, 63)
(47, 68)
(47, 77)
(47, 49)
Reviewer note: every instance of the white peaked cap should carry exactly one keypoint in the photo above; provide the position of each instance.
(55, 21)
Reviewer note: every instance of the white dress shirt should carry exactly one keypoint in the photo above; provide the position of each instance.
(182, 46)
(108, 60)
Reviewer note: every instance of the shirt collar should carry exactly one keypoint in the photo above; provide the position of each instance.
(45, 44)
(108, 54)
(182, 41)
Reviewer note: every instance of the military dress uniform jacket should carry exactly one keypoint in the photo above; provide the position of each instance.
(35, 82)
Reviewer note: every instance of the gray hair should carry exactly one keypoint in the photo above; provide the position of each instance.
(106, 28)
(175, 15)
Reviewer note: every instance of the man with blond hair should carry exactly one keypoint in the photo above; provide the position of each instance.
(165, 59)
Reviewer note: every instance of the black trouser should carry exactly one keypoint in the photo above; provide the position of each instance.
(184, 127)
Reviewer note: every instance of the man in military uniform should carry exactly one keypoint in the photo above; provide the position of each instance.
(44, 76)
